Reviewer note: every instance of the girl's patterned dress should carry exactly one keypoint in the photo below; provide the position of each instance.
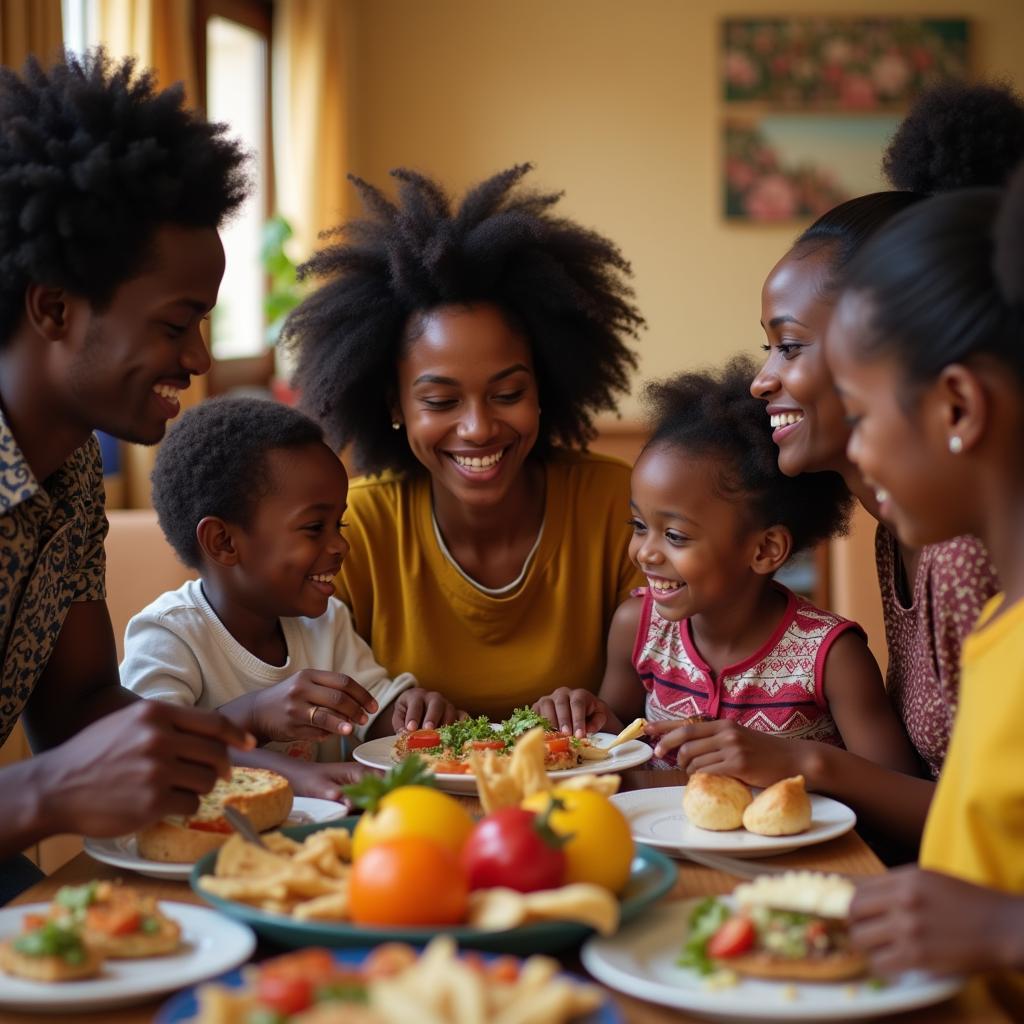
(777, 689)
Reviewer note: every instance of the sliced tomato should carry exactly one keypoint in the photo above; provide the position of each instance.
(313, 963)
(557, 744)
(734, 937)
(30, 922)
(486, 745)
(422, 738)
(504, 970)
(217, 825)
(285, 994)
(112, 919)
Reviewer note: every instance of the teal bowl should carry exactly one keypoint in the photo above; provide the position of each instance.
(652, 875)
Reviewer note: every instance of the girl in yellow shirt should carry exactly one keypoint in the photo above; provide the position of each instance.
(462, 353)
(927, 350)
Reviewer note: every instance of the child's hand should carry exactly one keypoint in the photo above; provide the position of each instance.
(418, 708)
(577, 712)
(310, 705)
(324, 781)
(724, 748)
(909, 919)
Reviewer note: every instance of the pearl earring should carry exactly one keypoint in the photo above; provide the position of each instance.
(956, 445)
(396, 425)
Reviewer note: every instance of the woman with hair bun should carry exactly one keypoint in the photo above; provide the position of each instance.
(927, 350)
(930, 597)
(462, 353)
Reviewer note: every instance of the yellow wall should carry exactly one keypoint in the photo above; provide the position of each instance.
(615, 102)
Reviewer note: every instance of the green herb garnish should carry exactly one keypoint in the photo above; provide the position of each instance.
(52, 939)
(708, 916)
(264, 1015)
(522, 720)
(77, 897)
(458, 734)
(150, 925)
(369, 791)
(341, 992)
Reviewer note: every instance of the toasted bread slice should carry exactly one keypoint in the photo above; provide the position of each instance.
(49, 968)
(841, 965)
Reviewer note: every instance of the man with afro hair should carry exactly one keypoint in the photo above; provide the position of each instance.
(462, 351)
(111, 194)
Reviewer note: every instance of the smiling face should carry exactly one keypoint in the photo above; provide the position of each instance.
(695, 547)
(899, 440)
(122, 367)
(467, 397)
(806, 414)
(293, 548)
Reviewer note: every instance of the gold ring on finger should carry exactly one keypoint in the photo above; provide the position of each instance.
(313, 709)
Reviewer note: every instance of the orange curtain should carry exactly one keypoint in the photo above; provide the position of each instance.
(159, 33)
(30, 26)
(314, 45)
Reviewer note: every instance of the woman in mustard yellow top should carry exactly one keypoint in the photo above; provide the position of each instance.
(462, 353)
(927, 351)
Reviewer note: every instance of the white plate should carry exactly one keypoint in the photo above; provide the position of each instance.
(211, 944)
(656, 818)
(377, 754)
(640, 960)
(123, 851)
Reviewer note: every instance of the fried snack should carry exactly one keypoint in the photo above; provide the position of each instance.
(308, 880)
(715, 802)
(783, 809)
(633, 731)
(53, 953)
(507, 781)
(499, 909)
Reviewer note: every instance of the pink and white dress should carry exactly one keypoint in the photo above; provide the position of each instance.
(778, 689)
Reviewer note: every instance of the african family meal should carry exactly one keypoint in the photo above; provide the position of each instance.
(396, 984)
(85, 925)
(447, 750)
(263, 796)
(790, 927)
(720, 803)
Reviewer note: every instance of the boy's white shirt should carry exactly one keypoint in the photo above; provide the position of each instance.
(177, 650)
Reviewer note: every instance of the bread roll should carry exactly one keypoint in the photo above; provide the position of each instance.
(840, 965)
(783, 809)
(715, 802)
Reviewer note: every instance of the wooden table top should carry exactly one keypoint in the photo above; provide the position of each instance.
(848, 855)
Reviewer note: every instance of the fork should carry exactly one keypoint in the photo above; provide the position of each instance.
(243, 826)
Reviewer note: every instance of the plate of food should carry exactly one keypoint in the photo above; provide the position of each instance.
(101, 945)
(719, 814)
(169, 848)
(394, 985)
(452, 750)
(297, 894)
(776, 949)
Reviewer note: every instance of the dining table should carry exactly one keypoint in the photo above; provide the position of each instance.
(848, 855)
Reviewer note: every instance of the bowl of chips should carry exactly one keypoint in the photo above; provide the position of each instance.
(295, 893)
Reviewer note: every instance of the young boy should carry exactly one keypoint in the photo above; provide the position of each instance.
(249, 494)
(110, 198)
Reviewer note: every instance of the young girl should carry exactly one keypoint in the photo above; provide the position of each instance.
(927, 349)
(713, 635)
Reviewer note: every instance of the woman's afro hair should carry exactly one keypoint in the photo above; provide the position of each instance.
(563, 286)
(213, 462)
(712, 415)
(957, 135)
(93, 159)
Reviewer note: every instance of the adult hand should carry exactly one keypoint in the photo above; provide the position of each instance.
(577, 712)
(310, 705)
(324, 781)
(134, 766)
(722, 747)
(910, 918)
(417, 708)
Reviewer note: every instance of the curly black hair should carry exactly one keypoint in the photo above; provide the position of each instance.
(712, 414)
(93, 159)
(213, 463)
(563, 286)
(955, 136)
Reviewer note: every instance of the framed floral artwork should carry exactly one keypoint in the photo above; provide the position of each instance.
(810, 103)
